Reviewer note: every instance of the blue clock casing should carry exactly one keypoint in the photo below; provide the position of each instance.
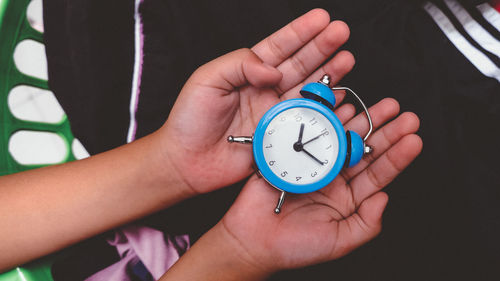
(262, 164)
(318, 98)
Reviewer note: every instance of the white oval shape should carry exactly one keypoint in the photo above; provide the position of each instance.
(37, 148)
(34, 104)
(30, 59)
(78, 150)
(34, 13)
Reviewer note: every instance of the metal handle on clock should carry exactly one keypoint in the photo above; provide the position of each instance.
(326, 81)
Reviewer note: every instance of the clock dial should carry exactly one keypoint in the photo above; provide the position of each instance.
(300, 145)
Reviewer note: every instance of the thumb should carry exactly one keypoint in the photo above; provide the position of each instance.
(236, 69)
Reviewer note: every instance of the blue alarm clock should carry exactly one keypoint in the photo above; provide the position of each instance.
(300, 145)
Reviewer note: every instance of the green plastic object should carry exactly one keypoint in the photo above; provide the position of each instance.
(14, 28)
(36, 271)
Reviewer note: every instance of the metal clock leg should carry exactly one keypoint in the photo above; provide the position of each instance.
(280, 202)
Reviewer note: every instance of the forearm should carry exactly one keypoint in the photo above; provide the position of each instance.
(47, 209)
(216, 256)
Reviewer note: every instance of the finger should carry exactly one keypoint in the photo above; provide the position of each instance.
(260, 74)
(339, 96)
(306, 60)
(383, 170)
(380, 113)
(362, 226)
(336, 68)
(280, 45)
(236, 69)
(345, 112)
(384, 138)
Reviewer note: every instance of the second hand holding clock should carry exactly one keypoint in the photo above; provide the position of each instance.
(299, 146)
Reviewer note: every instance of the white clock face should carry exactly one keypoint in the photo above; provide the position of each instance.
(300, 161)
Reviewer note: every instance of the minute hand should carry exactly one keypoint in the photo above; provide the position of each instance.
(315, 138)
(312, 156)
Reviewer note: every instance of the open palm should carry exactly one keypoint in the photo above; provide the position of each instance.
(332, 221)
(229, 95)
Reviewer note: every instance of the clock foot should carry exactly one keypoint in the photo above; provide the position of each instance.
(280, 203)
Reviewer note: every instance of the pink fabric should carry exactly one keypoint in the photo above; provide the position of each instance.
(148, 245)
(115, 272)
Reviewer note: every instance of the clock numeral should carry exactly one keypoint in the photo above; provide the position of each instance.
(271, 163)
(284, 174)
(270, 132)
(313, 121)
(328, 147)
(325, 132)
(297, 178)
(314, 174)
(326, 161)
(269, 146)
(298, 118)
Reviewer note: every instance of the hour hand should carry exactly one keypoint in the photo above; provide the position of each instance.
(312, 156)
(301, 132)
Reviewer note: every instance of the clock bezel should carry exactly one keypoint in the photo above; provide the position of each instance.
(258, 148)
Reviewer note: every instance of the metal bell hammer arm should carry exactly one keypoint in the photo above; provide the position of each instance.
(326, 81)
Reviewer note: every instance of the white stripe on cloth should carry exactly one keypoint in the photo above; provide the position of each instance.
(473, 28)
(141, 242)
(136, 78)
(476, 57)
(490, 14)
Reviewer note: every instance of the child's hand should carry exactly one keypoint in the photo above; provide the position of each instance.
(229, 95)
(251, 241)
(331, 222)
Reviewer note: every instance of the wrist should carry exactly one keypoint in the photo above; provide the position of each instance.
(168, 159)
(240, 256)
(163, 171)
(217, 256)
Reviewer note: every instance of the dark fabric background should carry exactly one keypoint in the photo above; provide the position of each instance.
(443, 217)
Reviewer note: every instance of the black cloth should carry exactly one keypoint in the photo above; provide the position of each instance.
(443, 217)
